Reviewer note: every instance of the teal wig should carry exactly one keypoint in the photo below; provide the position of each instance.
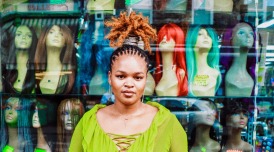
(212, 58)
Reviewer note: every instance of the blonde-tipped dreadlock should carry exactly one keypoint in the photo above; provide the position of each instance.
(133, 25)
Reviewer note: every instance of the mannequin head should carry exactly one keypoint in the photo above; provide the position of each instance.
(241, 35)
(69, 112)
(205, 116)
(17, 113)
(25, 39)
(52, 37)
(44, 118)
(206, 113)
(234, 116)
(192, 41)
(171, 37)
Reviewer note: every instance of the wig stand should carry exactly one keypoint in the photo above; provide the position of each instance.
(99, 82)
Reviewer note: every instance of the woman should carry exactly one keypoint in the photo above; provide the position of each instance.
(20, 76)
(129, 124)
(202, 59)
(55, 60)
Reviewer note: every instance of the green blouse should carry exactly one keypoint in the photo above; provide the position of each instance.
(164, 135)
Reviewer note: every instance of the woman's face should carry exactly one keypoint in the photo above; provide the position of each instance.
(242, 35)
(55, 37)
(128, 78)
(11, 112)
(71, 115)
(35, 119)
(206, 115)
(23, 37)
(204, 41)
(237, 120)
(167, 45)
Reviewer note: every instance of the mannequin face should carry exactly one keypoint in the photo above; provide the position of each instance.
(206, 115)
(55, 37)
(23, 37)
(204, 41)
(69, 114)
(167, 45)
(11, 112)
(242, 35)
(35, 119)
(237, 120)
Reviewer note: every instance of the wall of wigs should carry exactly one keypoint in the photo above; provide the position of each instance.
(210, 65)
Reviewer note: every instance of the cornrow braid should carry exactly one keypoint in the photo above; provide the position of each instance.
(128, 49)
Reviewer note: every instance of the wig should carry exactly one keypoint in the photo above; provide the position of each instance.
(212, 58)
(67, 56)
(93, 54)
(23, 124)
(227, 49)
(192, 130)
(75, 117)
(231, 106)
(12, 72)
(159, 4)
(132, 25)
(47, 118)
(172, 31)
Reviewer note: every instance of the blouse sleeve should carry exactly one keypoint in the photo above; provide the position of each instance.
(179, 138)
(77, 138)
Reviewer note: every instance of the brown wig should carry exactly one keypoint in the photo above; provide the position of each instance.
(133, 25)
(67, 56)
(12, 72)
(75, 116)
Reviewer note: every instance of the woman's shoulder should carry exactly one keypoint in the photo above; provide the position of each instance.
(92, 112)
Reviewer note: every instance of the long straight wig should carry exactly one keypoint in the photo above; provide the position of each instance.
(12, 71)
(24, 118)
(67, 56)
(172, 31)
(212, 58)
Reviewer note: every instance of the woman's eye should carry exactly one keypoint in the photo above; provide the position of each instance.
(18, 34)
(138, 78)
(8, 108)
(120, 76)
(30, 36)
(235, 114)
(251, 33)
(51, 32)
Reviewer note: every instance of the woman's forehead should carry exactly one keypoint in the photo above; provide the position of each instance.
(129, 62)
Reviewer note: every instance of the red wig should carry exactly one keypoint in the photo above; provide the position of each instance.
(173, 31)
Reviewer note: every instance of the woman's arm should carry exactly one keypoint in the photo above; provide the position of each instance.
(77, 138)
(179, 138)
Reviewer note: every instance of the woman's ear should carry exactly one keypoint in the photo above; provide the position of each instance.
(109, 75)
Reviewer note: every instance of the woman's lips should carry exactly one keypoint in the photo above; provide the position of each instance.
(208, 119)
(128, 93)
(242, 122)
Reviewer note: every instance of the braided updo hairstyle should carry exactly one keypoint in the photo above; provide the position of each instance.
(125, 27)
(130, 50)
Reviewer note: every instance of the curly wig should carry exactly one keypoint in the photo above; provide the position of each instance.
(133, 25)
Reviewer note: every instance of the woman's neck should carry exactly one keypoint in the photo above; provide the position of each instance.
(22, 58)
(13, 137)
(202, 135)
(234, 137)
(125, 110)
(239, 61)
(201, 61)
(41, 142)
(53, 59)
(167, 60)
